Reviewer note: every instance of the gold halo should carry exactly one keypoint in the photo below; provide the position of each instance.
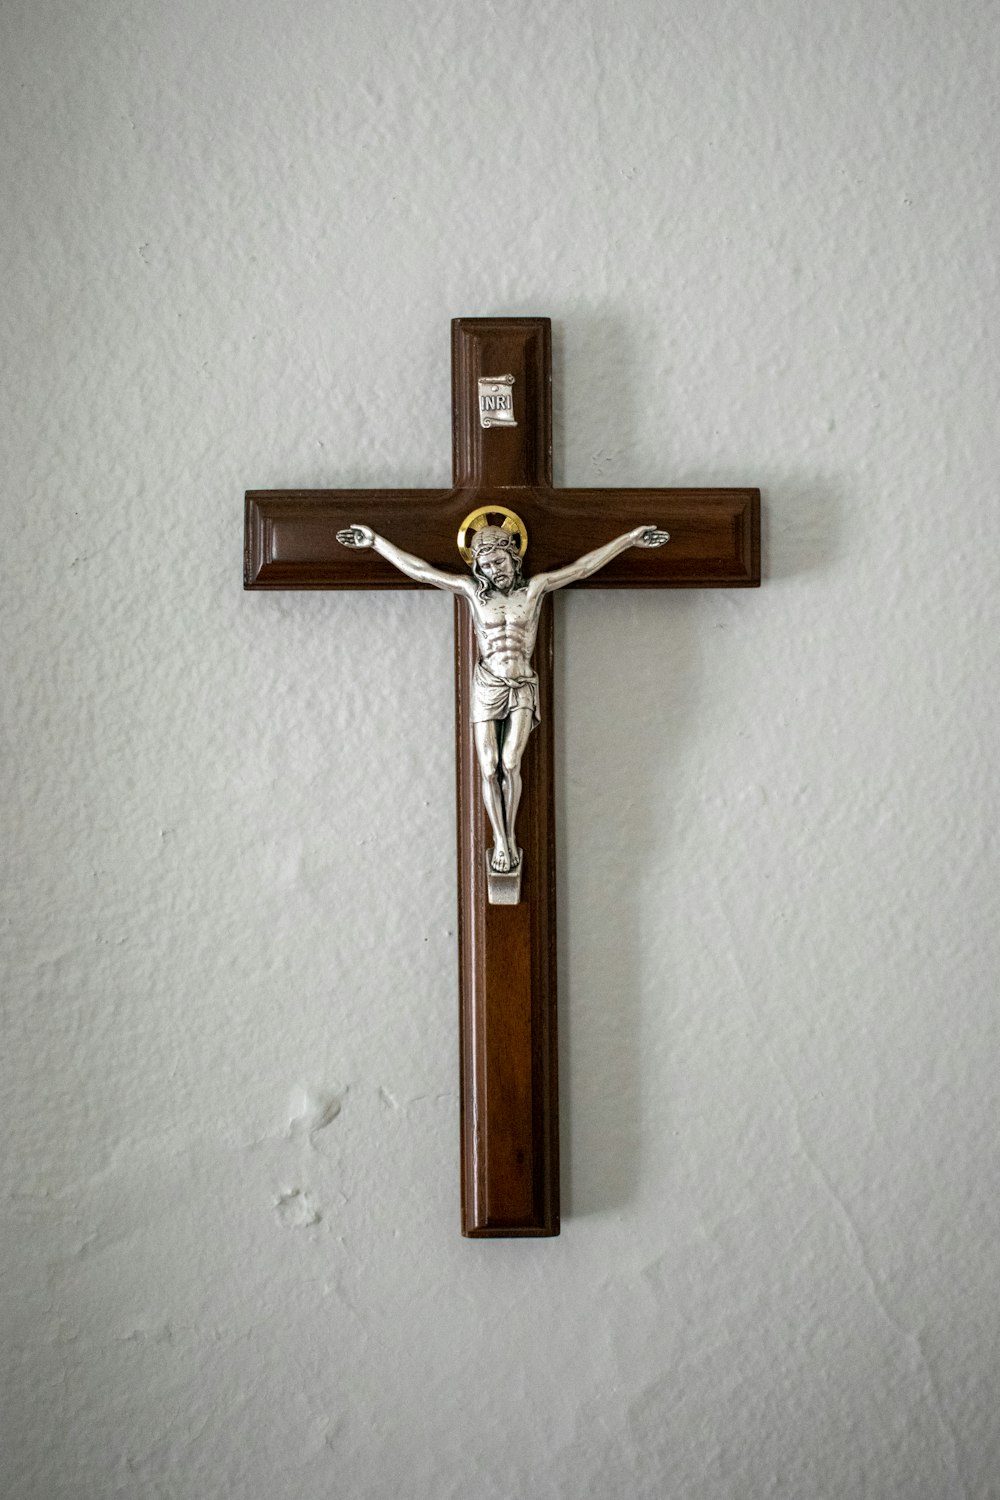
(477, 519)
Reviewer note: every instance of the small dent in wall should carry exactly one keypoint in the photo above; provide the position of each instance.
(295, 1209)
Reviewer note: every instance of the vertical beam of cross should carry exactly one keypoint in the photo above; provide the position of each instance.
(507, 954)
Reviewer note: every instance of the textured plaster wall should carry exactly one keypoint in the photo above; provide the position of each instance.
(234, 235)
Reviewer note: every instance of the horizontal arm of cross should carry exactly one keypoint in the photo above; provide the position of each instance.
(291, 536)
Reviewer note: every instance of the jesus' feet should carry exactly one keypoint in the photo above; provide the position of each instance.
(501, 862)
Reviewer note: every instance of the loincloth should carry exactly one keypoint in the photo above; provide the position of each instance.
(496, 697)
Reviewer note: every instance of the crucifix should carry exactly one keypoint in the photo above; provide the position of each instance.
(500, 505)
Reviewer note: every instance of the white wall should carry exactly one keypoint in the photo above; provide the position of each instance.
(234, 237)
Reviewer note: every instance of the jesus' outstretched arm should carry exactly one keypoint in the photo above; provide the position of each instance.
(414, 567)
(591, 562)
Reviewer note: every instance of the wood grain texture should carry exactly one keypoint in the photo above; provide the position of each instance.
(507, 983)
(291, 536)
(502, 456)
(507, 954)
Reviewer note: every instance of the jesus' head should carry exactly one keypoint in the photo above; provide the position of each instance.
(496, 560)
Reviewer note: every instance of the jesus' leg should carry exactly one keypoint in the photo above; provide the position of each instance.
(488, 753)
(515, 738)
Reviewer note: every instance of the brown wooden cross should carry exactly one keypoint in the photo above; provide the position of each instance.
(507, 954)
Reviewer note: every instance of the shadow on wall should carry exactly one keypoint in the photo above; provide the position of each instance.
(639, 705)
(610, 778)
(618, 373)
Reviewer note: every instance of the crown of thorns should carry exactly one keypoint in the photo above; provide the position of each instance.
(494, 536)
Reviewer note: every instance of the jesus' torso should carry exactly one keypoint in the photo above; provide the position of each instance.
(506, 626)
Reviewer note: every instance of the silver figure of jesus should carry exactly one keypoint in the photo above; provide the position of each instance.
(505, 611)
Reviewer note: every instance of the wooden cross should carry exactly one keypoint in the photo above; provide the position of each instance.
(507, 953)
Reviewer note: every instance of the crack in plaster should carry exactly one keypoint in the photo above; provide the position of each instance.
(854, 1239)
(852, 1234)
(388, 1100)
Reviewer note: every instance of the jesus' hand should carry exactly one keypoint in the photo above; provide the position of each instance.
(356, 536)
(649, 536)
